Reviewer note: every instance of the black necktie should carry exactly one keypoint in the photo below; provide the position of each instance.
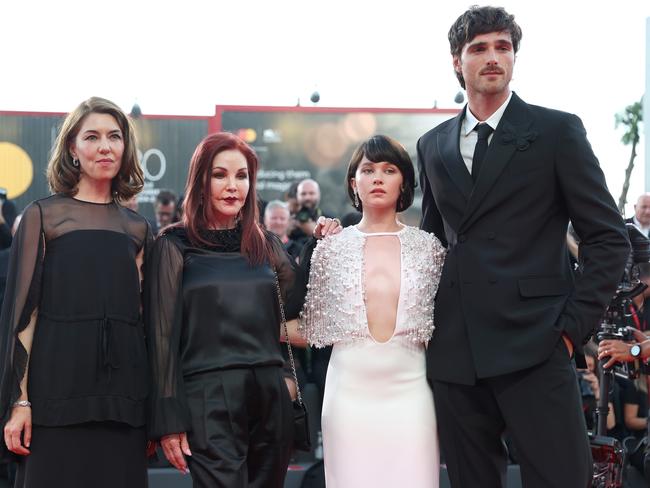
(484, 131)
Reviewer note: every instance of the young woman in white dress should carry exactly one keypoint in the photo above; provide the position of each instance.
(371, 292)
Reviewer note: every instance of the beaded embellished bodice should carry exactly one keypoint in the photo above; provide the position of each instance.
(335, 308)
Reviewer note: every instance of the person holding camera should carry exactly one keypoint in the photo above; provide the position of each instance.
(637, 321)
(308, 197)
(625, 352)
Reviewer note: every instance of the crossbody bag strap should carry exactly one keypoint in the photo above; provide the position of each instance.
(286, 335)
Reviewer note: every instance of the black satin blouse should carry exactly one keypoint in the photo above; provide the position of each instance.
(208, 309)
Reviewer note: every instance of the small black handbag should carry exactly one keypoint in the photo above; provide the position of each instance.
(301, 437)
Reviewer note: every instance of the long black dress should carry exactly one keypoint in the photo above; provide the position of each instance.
(75, 263)
(213, 329)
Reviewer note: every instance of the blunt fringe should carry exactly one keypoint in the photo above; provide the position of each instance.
(379, 149)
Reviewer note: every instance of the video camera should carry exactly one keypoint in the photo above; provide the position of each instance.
(607, 452)
(613, 326)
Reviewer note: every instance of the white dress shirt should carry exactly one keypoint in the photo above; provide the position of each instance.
(468, 135)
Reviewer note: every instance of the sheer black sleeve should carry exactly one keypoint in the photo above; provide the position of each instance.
(163, 312)
(291, 285)
(22, 296)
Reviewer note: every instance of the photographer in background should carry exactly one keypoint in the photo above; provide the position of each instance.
(641, 216)
(639, 310)
(304, 220)
(638, 320)
(276, 220)
(625, 352)
(165, 210)
(634, 394)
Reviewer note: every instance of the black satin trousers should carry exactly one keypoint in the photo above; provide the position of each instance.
(242, 425)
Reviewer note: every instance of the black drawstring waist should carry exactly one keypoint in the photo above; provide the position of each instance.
(107, 359)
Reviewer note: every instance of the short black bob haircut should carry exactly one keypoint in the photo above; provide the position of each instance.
(384, 149)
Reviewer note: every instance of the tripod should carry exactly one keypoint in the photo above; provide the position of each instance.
(607, 452)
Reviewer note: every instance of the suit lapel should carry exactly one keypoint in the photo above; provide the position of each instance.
(515, 120)
(450, 154)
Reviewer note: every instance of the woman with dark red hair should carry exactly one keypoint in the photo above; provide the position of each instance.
(219, 401)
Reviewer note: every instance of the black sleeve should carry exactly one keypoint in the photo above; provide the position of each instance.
(302, 276)
(288, 276)
(604, 245)
(431, 219)
(163, 313)
(22, 297)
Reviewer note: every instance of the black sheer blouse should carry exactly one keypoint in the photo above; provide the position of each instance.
(207, 309)
(74, 263)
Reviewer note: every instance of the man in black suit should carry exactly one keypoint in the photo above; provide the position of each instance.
(508, 313)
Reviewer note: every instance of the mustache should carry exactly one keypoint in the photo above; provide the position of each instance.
(492, 71)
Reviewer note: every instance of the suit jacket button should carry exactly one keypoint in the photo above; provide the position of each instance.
(462, 238)
(491, 235)
(451, 283)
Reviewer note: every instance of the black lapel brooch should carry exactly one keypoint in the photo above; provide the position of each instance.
(521, 140)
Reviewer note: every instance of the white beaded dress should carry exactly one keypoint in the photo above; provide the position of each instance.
(378, 419)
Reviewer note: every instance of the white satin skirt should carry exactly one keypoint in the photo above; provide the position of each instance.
(379, 423)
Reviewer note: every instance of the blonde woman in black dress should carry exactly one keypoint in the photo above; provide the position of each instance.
(74, 380)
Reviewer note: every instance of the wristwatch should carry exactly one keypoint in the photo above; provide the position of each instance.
(635, 350)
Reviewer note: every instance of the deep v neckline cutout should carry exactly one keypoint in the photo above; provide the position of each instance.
(363, 282)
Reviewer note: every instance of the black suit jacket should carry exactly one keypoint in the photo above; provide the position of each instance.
(507, 292)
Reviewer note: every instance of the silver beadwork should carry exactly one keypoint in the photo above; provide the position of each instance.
(335, 309)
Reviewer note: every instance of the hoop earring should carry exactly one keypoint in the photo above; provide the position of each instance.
(356, 199)
(75, 162)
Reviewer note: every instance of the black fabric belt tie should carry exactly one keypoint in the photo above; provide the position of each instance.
(108, 361)
(106, 358)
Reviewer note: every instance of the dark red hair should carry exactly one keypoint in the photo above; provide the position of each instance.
(197, 210)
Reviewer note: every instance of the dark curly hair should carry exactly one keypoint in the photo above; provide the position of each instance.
(481, 20)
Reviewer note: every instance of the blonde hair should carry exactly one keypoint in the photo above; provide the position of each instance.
(63, 176)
